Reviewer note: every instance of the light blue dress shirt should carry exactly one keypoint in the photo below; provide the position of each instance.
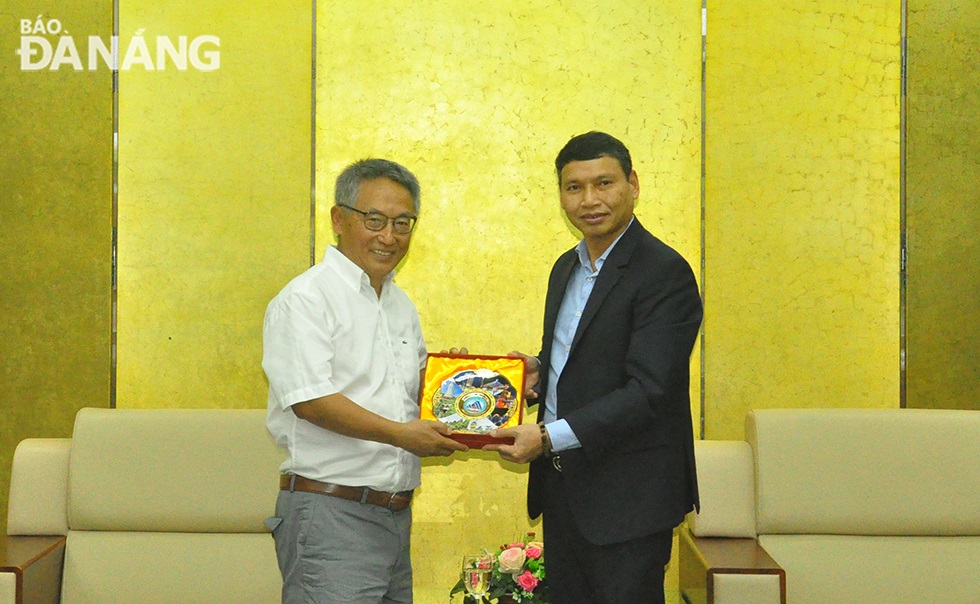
(577, 294)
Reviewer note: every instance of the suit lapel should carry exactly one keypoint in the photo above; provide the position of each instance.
(611, 273)
(552, 304)
(556, 291)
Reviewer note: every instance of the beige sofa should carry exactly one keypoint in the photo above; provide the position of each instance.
(831, 506)
(145, 506)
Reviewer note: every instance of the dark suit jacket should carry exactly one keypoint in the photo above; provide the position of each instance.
(625, 392)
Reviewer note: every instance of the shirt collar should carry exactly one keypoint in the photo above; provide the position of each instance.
(583, 251)
(350, 273)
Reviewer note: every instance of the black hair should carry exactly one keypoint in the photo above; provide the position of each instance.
(593, 145)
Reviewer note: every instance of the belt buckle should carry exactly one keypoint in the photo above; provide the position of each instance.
(391, 500)
(556, 462)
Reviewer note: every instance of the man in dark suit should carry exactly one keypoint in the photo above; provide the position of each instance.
(612, 457)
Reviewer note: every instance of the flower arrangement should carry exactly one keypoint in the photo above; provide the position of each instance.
(517, 573)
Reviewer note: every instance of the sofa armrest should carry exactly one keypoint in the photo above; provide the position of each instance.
(724, 570)
(38, 502)
(36, 564)
(726, 482)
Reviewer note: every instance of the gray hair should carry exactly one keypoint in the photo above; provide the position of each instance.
(349, 181)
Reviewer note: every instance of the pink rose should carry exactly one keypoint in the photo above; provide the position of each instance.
(533, 552)
(511, 560)
(527, 581)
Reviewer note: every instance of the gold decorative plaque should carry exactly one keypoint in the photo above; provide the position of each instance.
(473, 394)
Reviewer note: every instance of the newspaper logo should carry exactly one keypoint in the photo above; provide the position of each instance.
(158, 53)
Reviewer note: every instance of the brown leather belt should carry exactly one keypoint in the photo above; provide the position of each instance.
(395, 502)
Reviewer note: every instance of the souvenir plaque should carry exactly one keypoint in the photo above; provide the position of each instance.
(473, 395)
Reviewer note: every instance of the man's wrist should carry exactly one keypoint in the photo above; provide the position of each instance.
(546, 448)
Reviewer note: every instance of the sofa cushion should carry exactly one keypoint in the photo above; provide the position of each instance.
(177, 470)
(866, 471)
(745, 587)
(166, 568)
(825, 569)
(8, 586)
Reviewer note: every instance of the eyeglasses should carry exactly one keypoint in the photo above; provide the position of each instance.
(376, 221)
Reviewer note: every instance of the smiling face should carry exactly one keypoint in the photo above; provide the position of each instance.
(375, 252)
(598, 199)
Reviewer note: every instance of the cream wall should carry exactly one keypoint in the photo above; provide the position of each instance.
(802, 207)
(477, 98)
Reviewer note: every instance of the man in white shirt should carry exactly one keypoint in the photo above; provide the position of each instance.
(343, 352)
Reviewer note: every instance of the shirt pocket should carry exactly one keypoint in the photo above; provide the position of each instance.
(406, 355)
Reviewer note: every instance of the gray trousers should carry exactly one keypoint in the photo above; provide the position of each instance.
(336, 551)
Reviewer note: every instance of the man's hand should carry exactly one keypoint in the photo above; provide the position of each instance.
(339, 414)
(427, 438)
(532, 369)
(527, 443)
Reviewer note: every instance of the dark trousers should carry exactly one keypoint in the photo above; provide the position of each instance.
(580, 572)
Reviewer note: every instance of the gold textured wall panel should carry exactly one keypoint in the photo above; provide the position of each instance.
(55, 231)
(943, 205)
(214, 198)
(802, 207)
(477, 98)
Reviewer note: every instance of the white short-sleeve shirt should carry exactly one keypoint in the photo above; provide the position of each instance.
(327, 332)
